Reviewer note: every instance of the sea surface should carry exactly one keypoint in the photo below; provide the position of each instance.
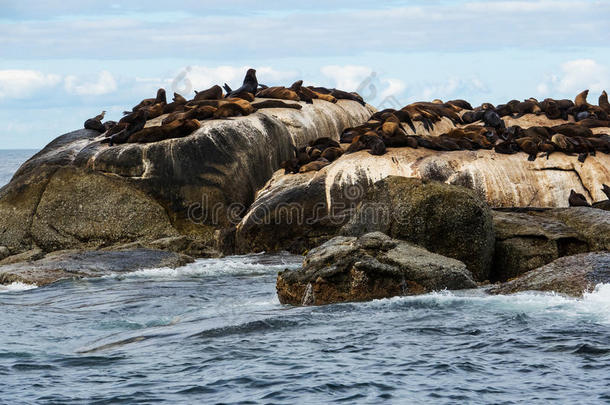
(10, 160)
(213, 332)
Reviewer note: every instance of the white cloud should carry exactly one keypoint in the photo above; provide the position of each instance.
(347, 77)
(21, 84)
(574, 77)
(202, 77)
(394, 87)
(453, 87)
(105, 84)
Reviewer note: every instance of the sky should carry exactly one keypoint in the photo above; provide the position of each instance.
(62, 62)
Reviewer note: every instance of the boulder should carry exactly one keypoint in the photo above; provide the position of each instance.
(570, 275)
(72, 264)
(80, 193)
(532, 238)
(294, 215)
(369, 267)
(445, 219)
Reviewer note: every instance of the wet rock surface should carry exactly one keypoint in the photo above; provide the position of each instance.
(530, 239)
(77, 264)
(570, 275)
(369, 267)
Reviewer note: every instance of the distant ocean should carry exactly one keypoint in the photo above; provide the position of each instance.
(10, 160)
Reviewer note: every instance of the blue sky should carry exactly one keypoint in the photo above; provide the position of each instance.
(64, 61)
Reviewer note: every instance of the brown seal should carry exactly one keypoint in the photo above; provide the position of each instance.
(581, 99)
(175, 129)
(577, 200)
(275, 104)
(278, 92)
(213, 93)
(603, 102)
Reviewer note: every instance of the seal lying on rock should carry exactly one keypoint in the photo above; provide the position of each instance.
(577, 200)
(175, 129)
(318, 154)
(213, 93)
(159, 99)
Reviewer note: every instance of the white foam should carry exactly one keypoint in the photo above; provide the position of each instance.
(594, 306)
(231, 265)
(16, 286)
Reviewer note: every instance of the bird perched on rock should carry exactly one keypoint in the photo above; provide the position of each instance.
(95, 123)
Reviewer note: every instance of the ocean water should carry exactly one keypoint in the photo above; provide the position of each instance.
(10, 160)
(213, 332)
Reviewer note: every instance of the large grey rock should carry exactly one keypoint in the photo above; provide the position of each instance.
(571, 275)
(295, 213)
(530, 239)
(71, 264)
(445, 219)
(79, 193)
(369, 267)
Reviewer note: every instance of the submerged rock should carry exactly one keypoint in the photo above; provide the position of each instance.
(71, 264)
(369, 267)
(571, 275)
(530, 239)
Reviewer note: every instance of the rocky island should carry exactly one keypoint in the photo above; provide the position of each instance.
(397, 202)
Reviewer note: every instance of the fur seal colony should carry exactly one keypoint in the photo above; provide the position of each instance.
(475, 128)
(184, 116)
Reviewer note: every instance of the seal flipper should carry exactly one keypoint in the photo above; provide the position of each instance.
(532, 157)
(582, 157)
(227, 88)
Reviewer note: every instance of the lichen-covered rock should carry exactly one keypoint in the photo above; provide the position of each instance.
(445, 219)
(78, 192)
(530, 239)
(4, 252)
(369, 267)
(571, 275)
(70, 264)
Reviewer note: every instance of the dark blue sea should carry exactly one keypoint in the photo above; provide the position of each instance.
(213, 332)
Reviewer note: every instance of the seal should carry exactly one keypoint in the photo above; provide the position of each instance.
(213, 93)
(275, 104)
(316, 165)
(551, 109)
(279, 92)
(304, 93)
(577, 200)
(581, 99)
(198, 113)
(159, 99)
(529, 146)
(230, 110)
(603, 102)
(177, 104)
(463, 104)
(250, 84)
(244, 95)
(175, 129)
